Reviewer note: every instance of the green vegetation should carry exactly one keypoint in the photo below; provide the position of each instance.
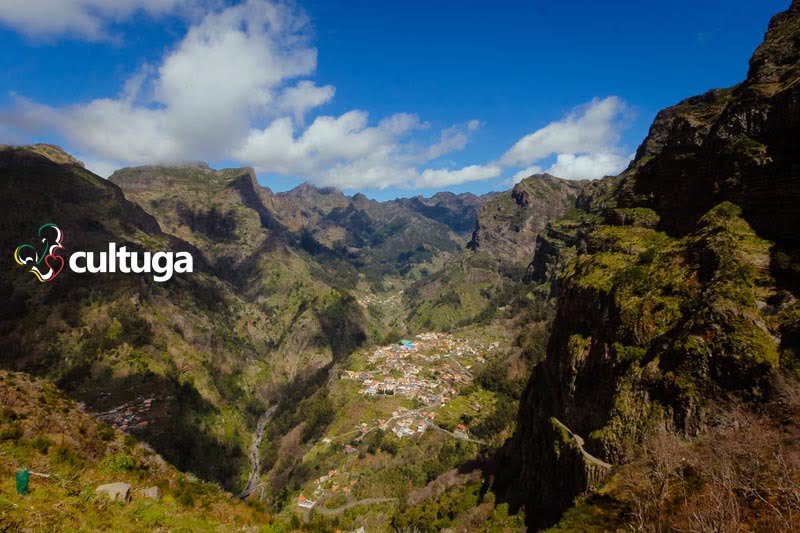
(78, 454)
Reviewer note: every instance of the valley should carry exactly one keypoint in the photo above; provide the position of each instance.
(563, 355)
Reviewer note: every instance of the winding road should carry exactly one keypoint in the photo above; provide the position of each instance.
(339, 510)
(579, 441)
(255, 459)
(469, 439)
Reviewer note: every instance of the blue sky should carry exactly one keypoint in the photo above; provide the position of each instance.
(387, 98)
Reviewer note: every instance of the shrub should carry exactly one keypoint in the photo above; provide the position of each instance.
(105, 433)
(118, 463)
(41, 444)
(10, 433)
(65, 455)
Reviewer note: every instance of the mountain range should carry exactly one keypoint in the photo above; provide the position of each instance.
(592, 355)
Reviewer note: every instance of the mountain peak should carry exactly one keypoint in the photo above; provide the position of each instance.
(308, 190)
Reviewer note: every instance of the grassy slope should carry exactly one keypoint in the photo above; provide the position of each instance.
(43, 430)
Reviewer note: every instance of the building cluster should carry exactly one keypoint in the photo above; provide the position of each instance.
(428, 369)
(131, 416)
(408, 423)
(334, 482)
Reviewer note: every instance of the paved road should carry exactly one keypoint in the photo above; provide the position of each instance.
(255, 458)
(470, 439)
(339, 510)
(579, 441)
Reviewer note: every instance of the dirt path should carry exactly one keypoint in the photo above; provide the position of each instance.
(255, 459)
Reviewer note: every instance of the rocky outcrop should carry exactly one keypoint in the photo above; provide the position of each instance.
(738, 144)
(116, 492)
(508, 223)
(150, 493)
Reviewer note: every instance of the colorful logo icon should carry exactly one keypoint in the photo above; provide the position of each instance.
(45, 262)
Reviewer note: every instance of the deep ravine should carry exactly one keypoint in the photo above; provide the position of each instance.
(255, 460)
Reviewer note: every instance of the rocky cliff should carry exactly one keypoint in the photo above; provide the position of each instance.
(508, 223)
(679, 296)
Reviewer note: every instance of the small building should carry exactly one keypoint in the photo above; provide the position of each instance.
(305, 503)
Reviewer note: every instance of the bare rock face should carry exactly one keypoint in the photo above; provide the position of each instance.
(509, 223)
(738, 144)
(117, 492)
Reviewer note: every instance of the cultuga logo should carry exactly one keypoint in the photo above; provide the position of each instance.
(46, 263)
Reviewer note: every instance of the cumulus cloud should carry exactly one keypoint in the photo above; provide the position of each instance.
(347, 152)
(446, 178)
(588, 166)
(205, 93)
(239, 85)
(236, 86)
(585, 143)
(87, 19)
(301, 98)
(589, 128)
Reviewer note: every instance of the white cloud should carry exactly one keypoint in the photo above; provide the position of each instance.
(432, 178)
(451, 139)
(87, 19)
(231, 88)
(304, 96)
(347, 152)
(589, 128)
(328, 141)
(226, 71)
(585, 143)
(239, 86)
(589, 166)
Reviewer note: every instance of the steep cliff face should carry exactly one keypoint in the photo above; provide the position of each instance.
(508, 224)
(738, 144)
(680, 295)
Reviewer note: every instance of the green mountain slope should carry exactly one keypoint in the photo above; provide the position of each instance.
(193, 344)
(44, 431)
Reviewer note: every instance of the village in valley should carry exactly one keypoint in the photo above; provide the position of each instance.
(429, 370)
(410, 384)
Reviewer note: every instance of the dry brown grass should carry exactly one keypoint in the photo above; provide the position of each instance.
(742, 474)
